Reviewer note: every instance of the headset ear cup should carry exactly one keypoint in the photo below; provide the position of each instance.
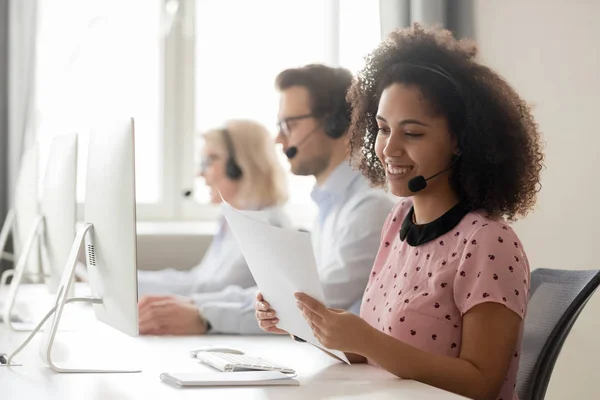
(334, 127)
(330, 127)
(232, 170)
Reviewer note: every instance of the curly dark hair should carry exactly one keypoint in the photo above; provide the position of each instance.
(499, 142)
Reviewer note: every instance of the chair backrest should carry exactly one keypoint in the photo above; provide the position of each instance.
(556, 299)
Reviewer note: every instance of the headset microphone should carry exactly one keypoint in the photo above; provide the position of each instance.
(419, 182)
(293, 150)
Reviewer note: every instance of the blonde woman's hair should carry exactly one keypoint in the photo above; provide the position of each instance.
(263, 182)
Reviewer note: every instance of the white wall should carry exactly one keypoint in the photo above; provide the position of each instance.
(548, 50)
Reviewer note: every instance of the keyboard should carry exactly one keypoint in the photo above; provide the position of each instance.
(227, 362)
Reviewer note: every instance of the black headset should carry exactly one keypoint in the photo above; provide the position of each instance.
(337, 122)
(232, 169)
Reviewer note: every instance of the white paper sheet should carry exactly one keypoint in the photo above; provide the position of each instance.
(282, 263)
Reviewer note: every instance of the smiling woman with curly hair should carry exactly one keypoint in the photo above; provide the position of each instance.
(448, 292)
(500, 157)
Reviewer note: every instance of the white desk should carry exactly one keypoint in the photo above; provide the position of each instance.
(320, 376)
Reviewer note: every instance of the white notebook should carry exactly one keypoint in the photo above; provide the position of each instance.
(250, 378)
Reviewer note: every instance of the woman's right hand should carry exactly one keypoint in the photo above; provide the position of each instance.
(267, 319)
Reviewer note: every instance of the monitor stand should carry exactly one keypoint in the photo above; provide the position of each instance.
(103, 364)
(35, 237)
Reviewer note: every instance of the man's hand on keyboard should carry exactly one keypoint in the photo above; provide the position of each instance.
(267, 318)
(169, 315)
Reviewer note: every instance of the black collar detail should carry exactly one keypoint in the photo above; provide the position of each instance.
(416, 235)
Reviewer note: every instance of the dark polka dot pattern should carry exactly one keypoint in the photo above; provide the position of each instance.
(419, 294)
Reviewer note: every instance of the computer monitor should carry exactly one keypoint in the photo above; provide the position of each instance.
(21, 218)
(54, 229)
(27, 209)
(109, 233)
(21, 223)
(58, 206)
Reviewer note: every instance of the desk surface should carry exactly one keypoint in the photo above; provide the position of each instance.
(320, 376)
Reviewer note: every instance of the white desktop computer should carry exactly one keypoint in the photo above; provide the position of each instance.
(54, 229)
(109, 233)
(27, 210)
(22, 219)
(58, 206)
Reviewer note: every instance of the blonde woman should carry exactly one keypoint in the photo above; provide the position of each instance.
(239, 162)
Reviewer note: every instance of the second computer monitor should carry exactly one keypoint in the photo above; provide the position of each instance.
(58, 206)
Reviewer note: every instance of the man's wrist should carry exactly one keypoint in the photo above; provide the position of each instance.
(205, 322)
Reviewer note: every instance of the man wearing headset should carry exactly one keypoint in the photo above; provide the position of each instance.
(314, 118)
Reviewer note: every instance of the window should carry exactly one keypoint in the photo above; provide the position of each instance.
(238, 56)
(241, 46)
(180, 67)
(359, 32)
(96, 66)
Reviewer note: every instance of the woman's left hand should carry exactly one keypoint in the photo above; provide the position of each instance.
(334, 328)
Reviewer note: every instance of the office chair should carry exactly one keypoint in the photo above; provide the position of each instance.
(556, 299)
